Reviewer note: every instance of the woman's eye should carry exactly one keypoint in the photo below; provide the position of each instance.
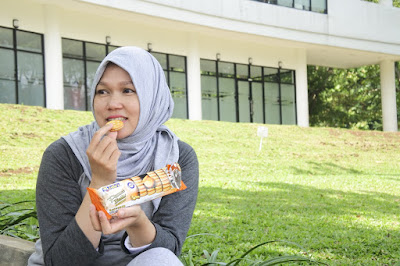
(129, 90)
(101, 92)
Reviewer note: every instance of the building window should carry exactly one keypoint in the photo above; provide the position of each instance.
(21, 67)
(174, 67)
(247, 93)
(80, 62)
(319, 6)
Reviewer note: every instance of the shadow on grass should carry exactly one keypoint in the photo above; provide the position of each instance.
(323, 168)
(334, 225)
(15, 195)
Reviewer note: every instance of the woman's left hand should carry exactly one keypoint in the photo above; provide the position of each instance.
(125, 218)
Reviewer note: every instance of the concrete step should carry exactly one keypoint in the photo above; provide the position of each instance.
(15, 251)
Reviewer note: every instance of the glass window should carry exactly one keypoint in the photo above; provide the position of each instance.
(91, 68)
(177, 63)
(6, 38)
(288, 3)
(255, 73)
(257, 95)
(21, 68)
(7, 66)
(30, 79)
(174, 67)
(226, 69)
(74, 86)
(302, 4)
(209, 97)
(313, 5)
(236, 98)
(208, 67)
(79, 71)
(270, 74)
(227, 101)
(272, 103)
(178, 92)
(72, 48)
(287, 76)
(319, 6)
(7, 78)
(288, 104)
(29, 41)
(95, 51)
(242, 71)
(244, 103)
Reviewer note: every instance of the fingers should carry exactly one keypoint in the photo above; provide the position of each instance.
(100, 133)
(131, 212)
(112, 135)
(105, 224)
(103, 152)
(94, 218)
(100, 141)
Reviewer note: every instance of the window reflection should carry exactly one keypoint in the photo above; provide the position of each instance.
(288, 106)
(74, 87)
(227, 99)
(29, 42)
(272, 103)
(6, 38)
(30, 79)
(319, 6)
(175, 74)
(80, 62)
(7, 79)
(21, 67)
(242, 93)
(209, 100)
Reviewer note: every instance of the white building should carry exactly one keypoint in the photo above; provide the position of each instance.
(231, 60)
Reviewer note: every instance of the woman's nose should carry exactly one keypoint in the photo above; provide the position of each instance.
(115, 101)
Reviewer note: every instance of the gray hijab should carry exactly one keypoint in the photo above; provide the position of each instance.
(152, 145)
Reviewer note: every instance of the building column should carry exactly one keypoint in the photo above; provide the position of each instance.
(388, 95)
(302, 90)
(193, 78)
(386, 2)
(53, 59)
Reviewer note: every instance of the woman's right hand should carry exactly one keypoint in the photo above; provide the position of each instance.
(103, 154)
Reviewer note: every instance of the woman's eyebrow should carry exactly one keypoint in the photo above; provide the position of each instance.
(127, 82)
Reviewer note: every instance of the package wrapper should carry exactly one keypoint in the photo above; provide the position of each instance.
(137, 190)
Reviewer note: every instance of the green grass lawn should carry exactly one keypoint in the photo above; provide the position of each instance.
(332, 194)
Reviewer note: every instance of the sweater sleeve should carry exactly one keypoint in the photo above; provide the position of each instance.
(174, 215)
(58, 198)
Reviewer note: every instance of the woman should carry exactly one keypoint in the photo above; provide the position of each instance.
(129, 85)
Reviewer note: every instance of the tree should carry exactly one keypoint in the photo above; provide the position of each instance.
(347, 98)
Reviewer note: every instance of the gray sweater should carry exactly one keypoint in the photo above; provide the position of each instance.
(59, 196)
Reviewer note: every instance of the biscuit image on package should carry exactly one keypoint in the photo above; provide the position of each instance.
(117, 125)
(138, 189)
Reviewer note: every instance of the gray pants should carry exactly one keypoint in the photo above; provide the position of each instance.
(156, 257)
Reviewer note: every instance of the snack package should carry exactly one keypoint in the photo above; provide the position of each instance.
(137, 189)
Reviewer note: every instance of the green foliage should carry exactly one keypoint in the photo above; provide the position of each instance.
(19, 221)
(396, 3)
(347, 98)
(212, 258)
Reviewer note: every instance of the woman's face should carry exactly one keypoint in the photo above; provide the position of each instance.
(116, 98)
